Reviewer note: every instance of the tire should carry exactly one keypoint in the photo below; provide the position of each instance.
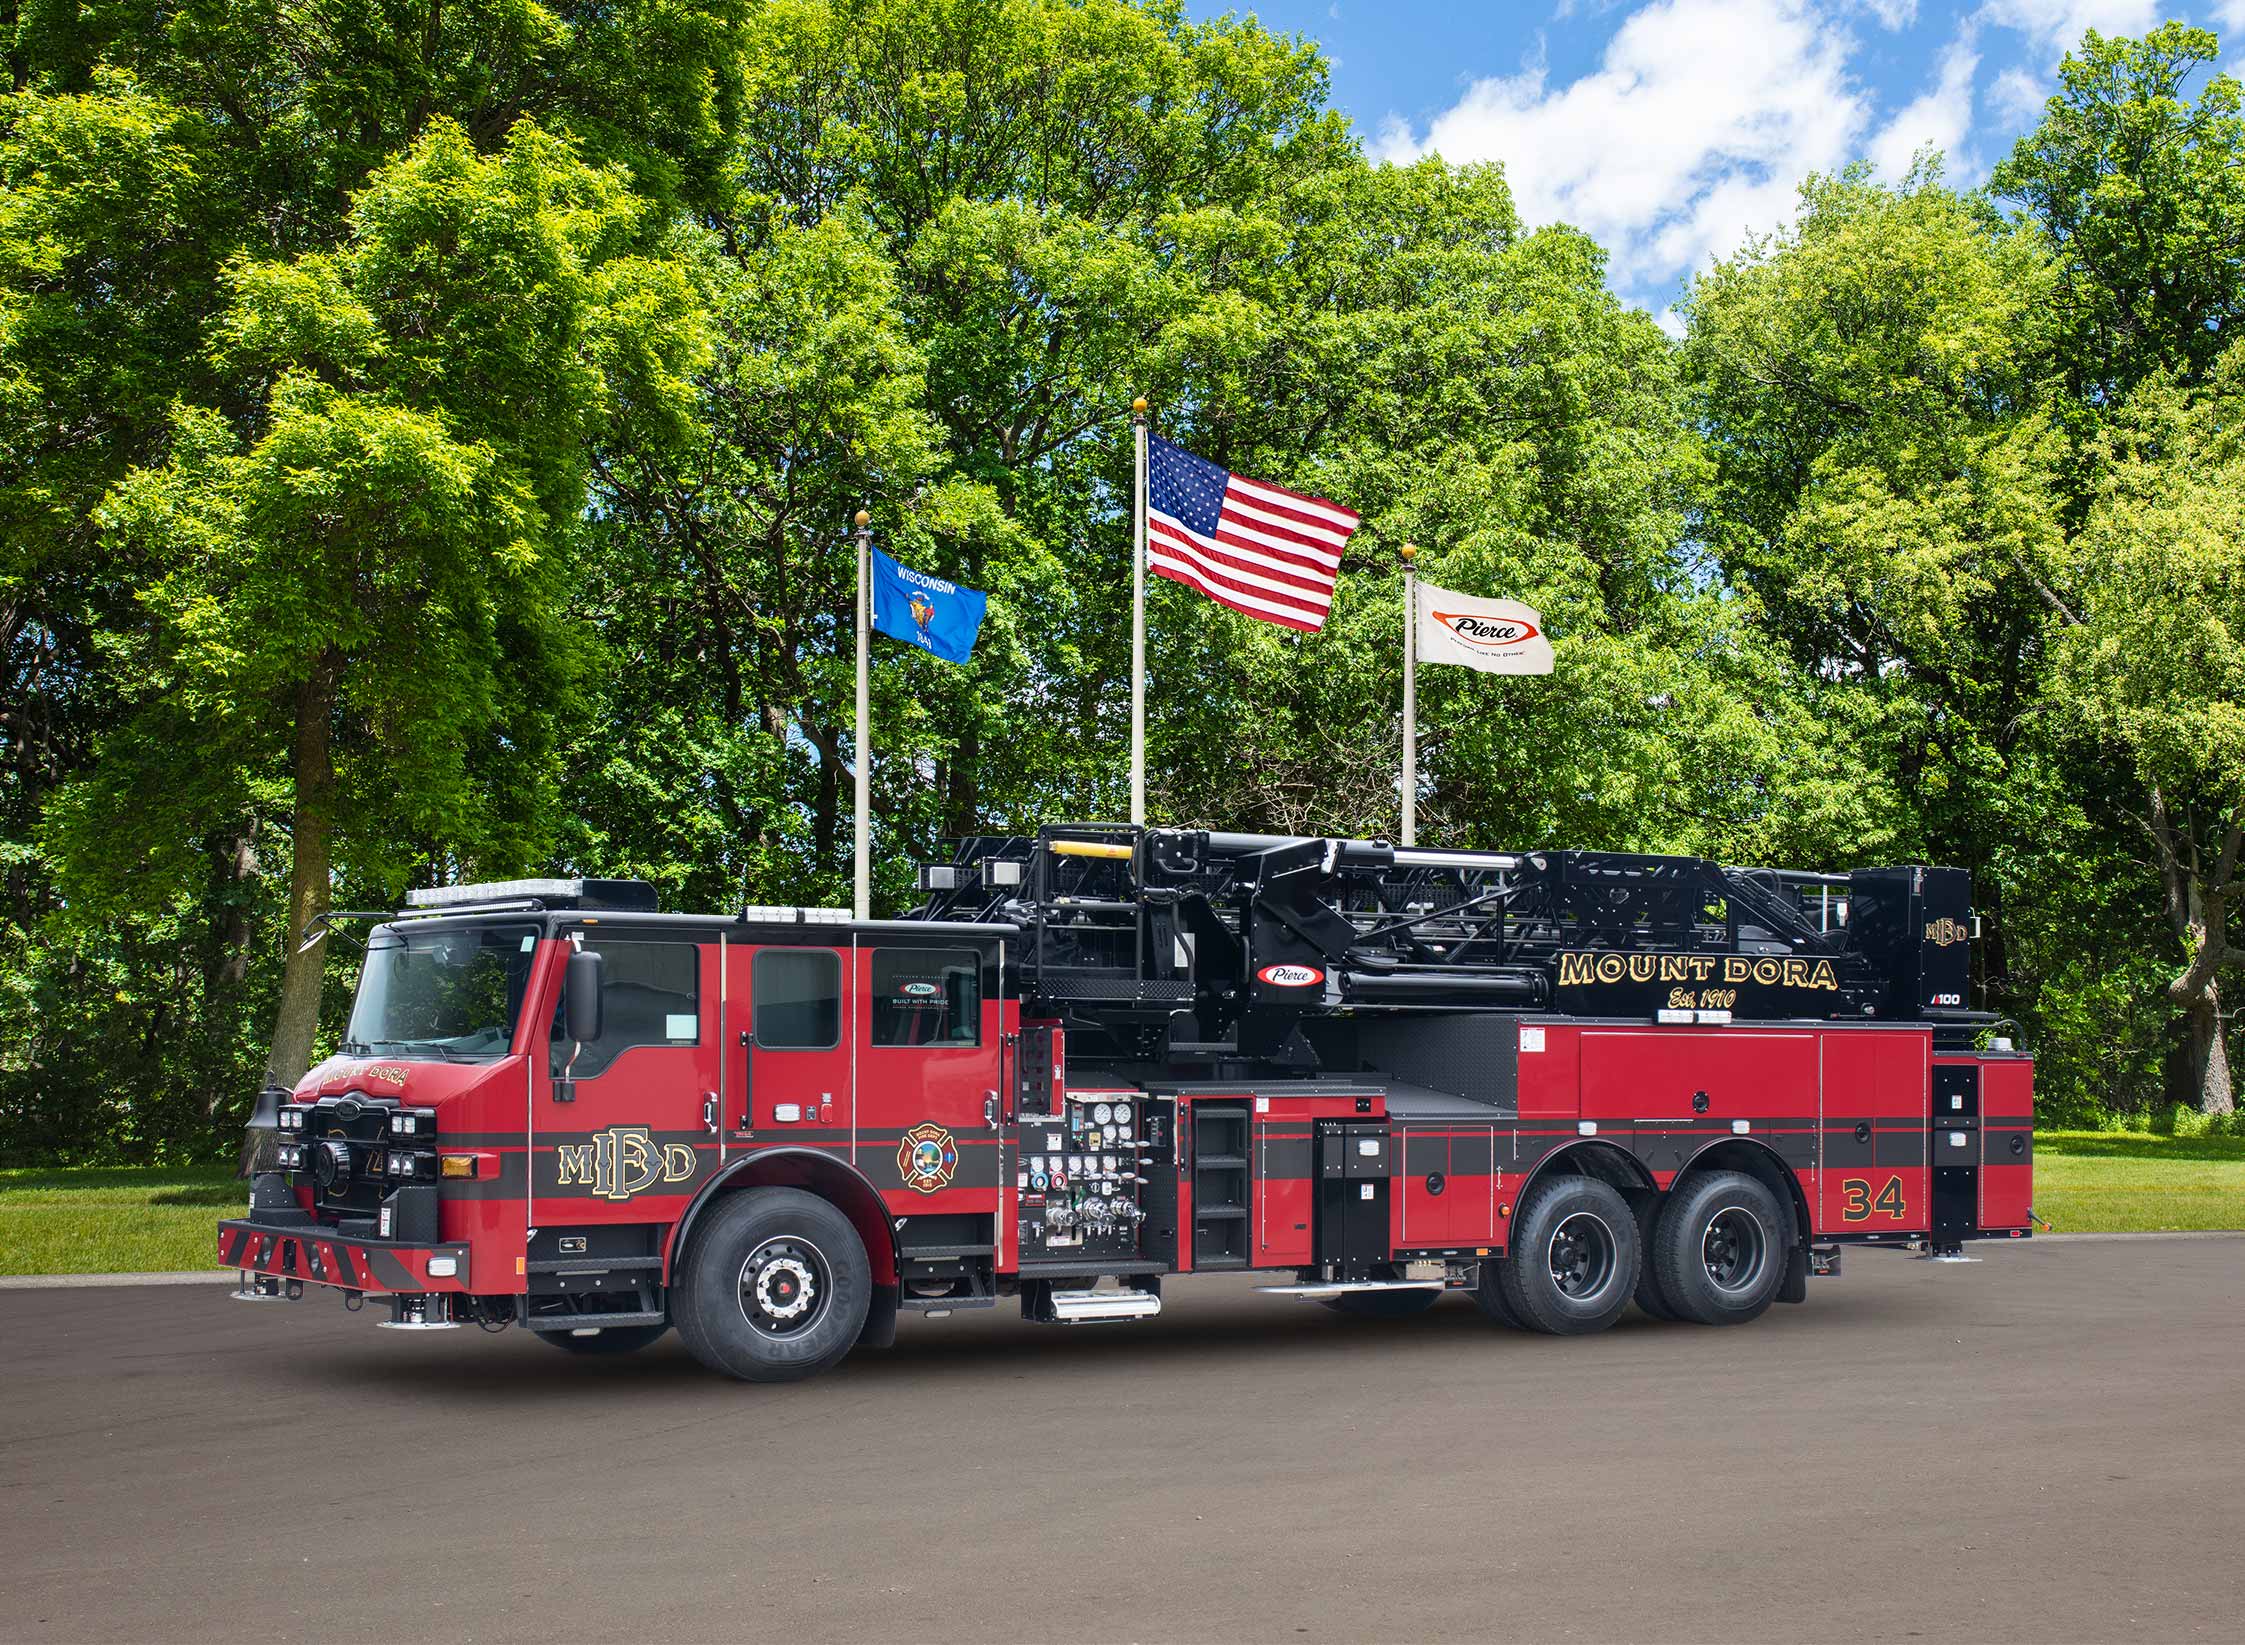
(1574, 1260)
(608, 1342)
(1649, 1300)
(1720, 1248)
(1488, 1296)
(776, 1286)
(1383, 1304)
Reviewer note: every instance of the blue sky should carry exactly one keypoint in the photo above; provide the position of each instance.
(1671, 128)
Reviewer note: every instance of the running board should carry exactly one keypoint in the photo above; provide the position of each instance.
(1341, 1290)
(1093, 1307)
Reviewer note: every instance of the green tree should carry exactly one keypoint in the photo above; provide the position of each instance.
(359, 582)
(2141, 196)
(2152, 661)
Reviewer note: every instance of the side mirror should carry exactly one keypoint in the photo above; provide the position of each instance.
(580, 997)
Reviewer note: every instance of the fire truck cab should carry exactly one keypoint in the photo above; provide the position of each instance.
(1101, 1059)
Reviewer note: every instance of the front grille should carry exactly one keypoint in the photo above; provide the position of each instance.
(347, 1151)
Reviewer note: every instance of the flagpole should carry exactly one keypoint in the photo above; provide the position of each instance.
(1410, 698)
(1138, 618)
(861, 903)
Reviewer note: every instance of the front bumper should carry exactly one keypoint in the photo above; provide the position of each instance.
(305, 1251)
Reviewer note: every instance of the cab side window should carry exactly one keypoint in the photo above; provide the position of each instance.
(798, 999)
(926, 996)
(650, 994)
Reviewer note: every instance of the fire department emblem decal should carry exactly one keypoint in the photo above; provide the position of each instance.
(1944, 931)
(927, 1158)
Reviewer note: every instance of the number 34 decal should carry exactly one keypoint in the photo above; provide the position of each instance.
(1861, 1203)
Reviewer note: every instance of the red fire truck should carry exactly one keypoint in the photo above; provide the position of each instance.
(1103, 1058)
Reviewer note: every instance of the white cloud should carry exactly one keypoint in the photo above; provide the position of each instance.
(2058, 25)
(1893, 15)
(1694, 130)
(2231, 14)
(1940, 117)
(2017, 98)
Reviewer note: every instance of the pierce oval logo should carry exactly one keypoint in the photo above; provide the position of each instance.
(1290, 976)
(1488, 633)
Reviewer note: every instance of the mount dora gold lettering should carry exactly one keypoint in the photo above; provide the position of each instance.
(622, 1161)
(1581, 970)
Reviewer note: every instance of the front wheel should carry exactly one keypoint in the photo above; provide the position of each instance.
(1720, 1247)
(1574, 1257)
(777, 1286)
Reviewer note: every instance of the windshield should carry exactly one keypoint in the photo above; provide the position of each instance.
(451, 993)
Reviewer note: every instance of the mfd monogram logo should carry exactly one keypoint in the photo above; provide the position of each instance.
(1944, 931)
(622, 1161)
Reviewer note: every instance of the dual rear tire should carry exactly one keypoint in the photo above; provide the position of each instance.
(1713, 1254)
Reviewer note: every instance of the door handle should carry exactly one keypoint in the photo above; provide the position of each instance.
(709, 1112)
(990, 1109)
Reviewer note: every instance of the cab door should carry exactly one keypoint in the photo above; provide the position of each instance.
(636, 1136)
(930, 1042)
(791, 1016)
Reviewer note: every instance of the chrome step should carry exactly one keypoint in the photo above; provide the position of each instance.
(1093, 1307)
(1342, 1290)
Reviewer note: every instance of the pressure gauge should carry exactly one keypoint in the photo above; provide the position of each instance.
(1107, 1134)
(1122, 1133)
(1107, 1163)
(1122, 1113)
(1103, 1113)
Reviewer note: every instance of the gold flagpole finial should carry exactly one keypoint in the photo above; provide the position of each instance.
(1138, 406)
(863, 519)
(1409, 551)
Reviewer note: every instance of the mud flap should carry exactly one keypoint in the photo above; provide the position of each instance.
(879, 1330)
(1794, 1287)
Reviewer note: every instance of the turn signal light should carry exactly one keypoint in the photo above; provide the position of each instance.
(459, 1165)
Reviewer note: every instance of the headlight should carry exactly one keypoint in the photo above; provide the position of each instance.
(402, 1124)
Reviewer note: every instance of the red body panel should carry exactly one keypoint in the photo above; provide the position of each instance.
(2007, 1117)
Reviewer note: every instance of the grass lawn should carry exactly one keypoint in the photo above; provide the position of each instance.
(127, 1220)
(2096, 1181)
(121, 1220)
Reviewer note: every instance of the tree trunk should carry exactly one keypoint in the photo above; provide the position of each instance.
(2209, 1057)
(298, 1020)
(963, 797)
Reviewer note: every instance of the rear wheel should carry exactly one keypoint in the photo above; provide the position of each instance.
(777, 1286)
(608, 1341)
(1719, 1248)
(1574, 1258)
(1383, 1304)
(1649, 1300)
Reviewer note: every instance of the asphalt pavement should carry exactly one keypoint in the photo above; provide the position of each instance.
(2045, 1446)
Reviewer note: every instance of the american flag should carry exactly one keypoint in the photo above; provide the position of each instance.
(1260, 549)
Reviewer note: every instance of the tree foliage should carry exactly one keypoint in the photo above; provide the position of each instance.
(428, 437)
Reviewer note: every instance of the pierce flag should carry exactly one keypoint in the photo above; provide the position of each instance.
(1495, 636)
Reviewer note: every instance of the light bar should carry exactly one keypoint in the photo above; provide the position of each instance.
(451, 896)
(780, 914)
